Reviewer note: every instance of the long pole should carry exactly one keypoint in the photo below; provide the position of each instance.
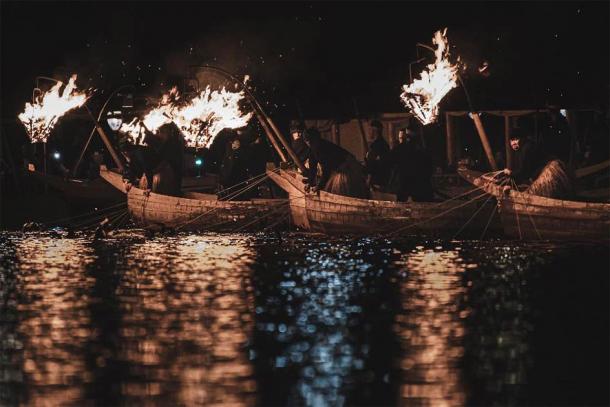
(115, 157)
(365, 145)
(480, 129)
(99, 117)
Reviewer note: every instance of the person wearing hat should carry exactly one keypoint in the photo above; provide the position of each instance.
(403, 158)
(340, 172)
(298, 145)
(527, 160)
(376, 158)
(543, 174)
(234, 168)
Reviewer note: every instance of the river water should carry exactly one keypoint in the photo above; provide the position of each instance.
(296, 319)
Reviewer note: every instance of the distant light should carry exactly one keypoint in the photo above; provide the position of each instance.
(563, 112)
(198, 162)
(56, 155)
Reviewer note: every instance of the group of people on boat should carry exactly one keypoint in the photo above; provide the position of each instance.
(404, 170)
(159, 164)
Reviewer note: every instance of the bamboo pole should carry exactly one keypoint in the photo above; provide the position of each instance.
(509, 150)
(115, 157)
(485, 141)
(450, 141)
(275, 133)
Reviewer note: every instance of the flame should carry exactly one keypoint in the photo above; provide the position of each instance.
(199, 119)
(42, 115)
(424, 94)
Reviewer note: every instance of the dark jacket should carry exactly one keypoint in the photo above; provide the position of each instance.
(300, 149)
(527, 162)
(376, 161)
(234, 167)
(330, 157)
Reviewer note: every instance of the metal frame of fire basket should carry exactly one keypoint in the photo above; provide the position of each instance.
(474, 115)
(266, 122)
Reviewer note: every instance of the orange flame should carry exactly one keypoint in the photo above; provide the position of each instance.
(199, 119)
(424, 94)
(41, 116)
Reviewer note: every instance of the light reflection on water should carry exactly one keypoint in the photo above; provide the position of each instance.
(431, 327)
(291, 320)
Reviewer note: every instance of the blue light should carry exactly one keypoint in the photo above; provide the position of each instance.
(198, 162)
(56, 155)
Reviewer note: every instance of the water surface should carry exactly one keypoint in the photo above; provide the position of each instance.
(298, 319)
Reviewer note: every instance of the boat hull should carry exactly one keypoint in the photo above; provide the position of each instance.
(532, 217)
(198, 211)
(334, 214)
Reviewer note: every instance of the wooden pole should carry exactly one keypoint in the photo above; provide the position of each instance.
(82, 153)
(485, 141)
(571, 119)
(115, 157)
(509, 151)
(365, 144)
(450, 141)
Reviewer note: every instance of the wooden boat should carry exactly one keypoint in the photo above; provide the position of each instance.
(94, 192)
(335, 214)
(526, 216)
(99, 193)
(197, 211)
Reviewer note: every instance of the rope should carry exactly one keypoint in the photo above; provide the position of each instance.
(438, 215)
(489, 221)
(93, 212)
(529, 215)
(280, 207)
(476, 213)
(216, 208)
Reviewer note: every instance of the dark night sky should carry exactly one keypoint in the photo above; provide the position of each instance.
(321, 54)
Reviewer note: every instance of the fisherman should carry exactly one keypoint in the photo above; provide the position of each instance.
(340, 172)
(376, 159)
(172, 160)
(234, 168)
(298, 145)
(542, 174)
(411, 169)
(527, 158)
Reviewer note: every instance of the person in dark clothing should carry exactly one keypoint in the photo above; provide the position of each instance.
(234, 169)
(411, 169)
(376, 158)
(172, 157)
(527, 159)
(340, 174)
(544, 174)
(298, 144)
(258, 154)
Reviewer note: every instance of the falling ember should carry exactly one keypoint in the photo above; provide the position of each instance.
(424, 94)
(199, 119)
(40, 116)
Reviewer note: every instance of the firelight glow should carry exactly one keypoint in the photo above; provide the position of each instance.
(423, 96)
(41, 116)
(199, 119)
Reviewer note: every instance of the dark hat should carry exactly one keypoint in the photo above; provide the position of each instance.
(517, 133)
(296, 126)
(312, 134)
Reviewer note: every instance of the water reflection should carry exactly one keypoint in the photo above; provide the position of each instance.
(323, 333)
(53, 322)
(431, 327)
(186, 306)
(297, 320)
(164, 320)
